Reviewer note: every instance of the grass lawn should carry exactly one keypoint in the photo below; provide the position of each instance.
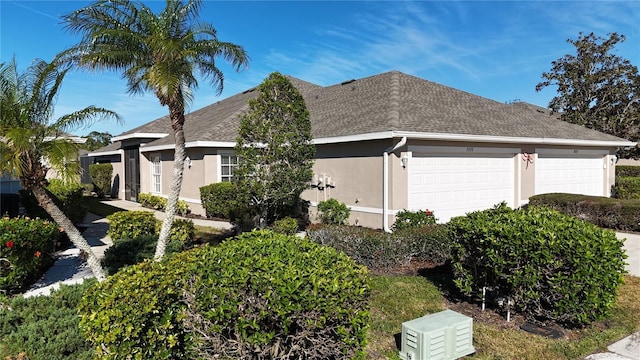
(396, 299)
(97, 207)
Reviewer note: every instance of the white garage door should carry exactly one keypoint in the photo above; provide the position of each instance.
(452, 185)
(570, 174)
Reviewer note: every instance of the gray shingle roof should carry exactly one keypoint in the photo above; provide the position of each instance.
(391, 101)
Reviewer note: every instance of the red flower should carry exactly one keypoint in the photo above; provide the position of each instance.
(9, 244)
(428, 212)
(37, 254)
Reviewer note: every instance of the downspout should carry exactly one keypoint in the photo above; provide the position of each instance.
(385, 183)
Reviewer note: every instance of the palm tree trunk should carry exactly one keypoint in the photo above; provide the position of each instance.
(74, 235)
(174, 191)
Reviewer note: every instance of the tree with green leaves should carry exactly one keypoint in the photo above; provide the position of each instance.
(97, 139)
(596, 88)
(32, 142)
(274, 148)
(155, 52)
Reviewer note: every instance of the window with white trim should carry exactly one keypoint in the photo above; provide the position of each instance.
(156, 174)
(228, 163)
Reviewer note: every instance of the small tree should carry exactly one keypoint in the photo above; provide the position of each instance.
(96, 140)
(275, 149)
(597, 89)
(101, 178)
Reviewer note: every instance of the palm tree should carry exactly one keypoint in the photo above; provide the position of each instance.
(32, 142)
(157, 53)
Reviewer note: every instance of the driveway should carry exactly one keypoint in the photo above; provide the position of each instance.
(632, 247)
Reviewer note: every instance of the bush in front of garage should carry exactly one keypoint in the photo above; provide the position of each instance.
(378, 250)
(617, 214)
(553, 266)
(627, 187)
(627, 170)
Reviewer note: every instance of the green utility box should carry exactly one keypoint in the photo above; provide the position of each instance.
(444, 335)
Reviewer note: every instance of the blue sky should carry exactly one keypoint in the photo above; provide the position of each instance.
(494, 49)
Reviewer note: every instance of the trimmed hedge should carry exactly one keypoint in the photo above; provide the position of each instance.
(259, 295)
(101, 178)
(408, 219)
(133, 224)
(160, 203)
(26, 249)
(618, 214)
(44, 327)
(333, 212)
(627, 187)
(287, 226)
(220, 199)
(553, 266)
(67, 196)
(627, 170)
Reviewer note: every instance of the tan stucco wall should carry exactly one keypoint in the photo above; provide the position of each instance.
(203, 171)
(356, 171)
(117, 179)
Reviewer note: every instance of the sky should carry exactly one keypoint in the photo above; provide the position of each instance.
(494, 49)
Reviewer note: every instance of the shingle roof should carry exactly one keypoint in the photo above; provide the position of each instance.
(391, 101)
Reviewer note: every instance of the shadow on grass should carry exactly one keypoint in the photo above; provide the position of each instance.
(442, 277)
(99, 206)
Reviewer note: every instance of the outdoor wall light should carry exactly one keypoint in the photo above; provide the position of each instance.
(187, 160)
(405, 161)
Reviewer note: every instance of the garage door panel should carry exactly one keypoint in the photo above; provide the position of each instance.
(574, 175)
(454, 185)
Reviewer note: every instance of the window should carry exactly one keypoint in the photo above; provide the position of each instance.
(156, 173)
(227, 164)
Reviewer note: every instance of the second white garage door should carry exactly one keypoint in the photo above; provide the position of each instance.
(558, 173)
(452, 185)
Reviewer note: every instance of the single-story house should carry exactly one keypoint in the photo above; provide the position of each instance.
(386, 143)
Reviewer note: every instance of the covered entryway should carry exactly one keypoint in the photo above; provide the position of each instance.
(568, 172)
(454, 181)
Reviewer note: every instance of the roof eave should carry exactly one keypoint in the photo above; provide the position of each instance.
(190, 144)
(139, 136)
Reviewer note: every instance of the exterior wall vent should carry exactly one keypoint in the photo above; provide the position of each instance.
(444, 335)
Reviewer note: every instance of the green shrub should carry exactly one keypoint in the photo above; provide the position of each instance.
(183, 231)
(333, 212)
(374, 249)
(605, 212)
(136, 313)
(554, 267)
(130, 224)
(127, 252)
(286, 226)
(627, 170)
(67, 196)
(627, 187)
(219, 199)
(151, 201)
(26, 249)
(160, 203)
(101, 177)
(270, 293)
(408, 219)
(284, 296)
(44, 327)
(428, 242)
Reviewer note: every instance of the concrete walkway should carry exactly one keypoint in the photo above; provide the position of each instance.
(71, 269)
